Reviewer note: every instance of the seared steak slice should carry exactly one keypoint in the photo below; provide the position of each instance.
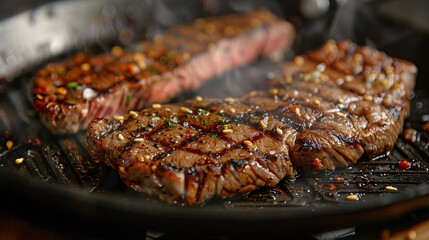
(322, 115)
(192, 152)
(69, 94)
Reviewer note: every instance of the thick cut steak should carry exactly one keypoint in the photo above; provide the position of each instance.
(330, 107)
(69, 94)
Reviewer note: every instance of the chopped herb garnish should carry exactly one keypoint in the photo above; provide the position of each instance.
(202, 111)
(169, 122)
(127, 100)
(214, 135)
(72, 84)
(220, 112)
(225, 127)
(152, 69)
(221, 119)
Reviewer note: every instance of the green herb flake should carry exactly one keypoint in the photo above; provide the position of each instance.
(169, 122)
(202, 111)
(127, 100)
(152, 69)
(220, 112)
(214, 135)
(72, 84)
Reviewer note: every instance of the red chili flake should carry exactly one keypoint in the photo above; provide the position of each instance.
(37, 141)
(331, 187)
(293, 107)
(317, 163)
(404, 164)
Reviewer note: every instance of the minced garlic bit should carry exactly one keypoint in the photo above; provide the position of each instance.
(156, 105)
(274, 91)
(62, 90)
(227, 130)
(229, 99)
(298, 60)
(262, 124)
(9, 144)
(321, 67)
(138, 139)
(231, 109)
(199, 98)
(367, 97)
(317, 101)
(391, 188)
(249, 144)
(340, 114)
(186, 56)
(116, 51)
(85, 67)
(352, 197)
(121, 137)
(340, 100)
(279, 131)
(118, 117)
(185, 109)
(19, 160)
(133, 113)
(348, 78)
(297, 112)
(39, 96)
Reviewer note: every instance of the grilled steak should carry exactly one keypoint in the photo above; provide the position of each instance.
(331, 106)
(69, 94)
(190, 152)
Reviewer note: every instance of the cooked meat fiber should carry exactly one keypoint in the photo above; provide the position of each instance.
(320, 114)
(69, 94)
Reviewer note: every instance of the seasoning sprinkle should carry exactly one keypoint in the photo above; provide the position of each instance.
(227, 131)
(348, 78)
(138, 139)
(156, 105)
(9, 144)
(118, 117)
(263, 124)
(253, 93)
(249, 144)
(185, 109)
(317, 101)
(72, 84)
(62, 91)
(298, 60)
(274, 91)
(279, 131)
(134, 113)
(391, 188)
(121, 137)
(352, 197)
(229, 99)
(340, 114)
(85, 67)
(19, 160)
(367, 97)
(199, 98)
